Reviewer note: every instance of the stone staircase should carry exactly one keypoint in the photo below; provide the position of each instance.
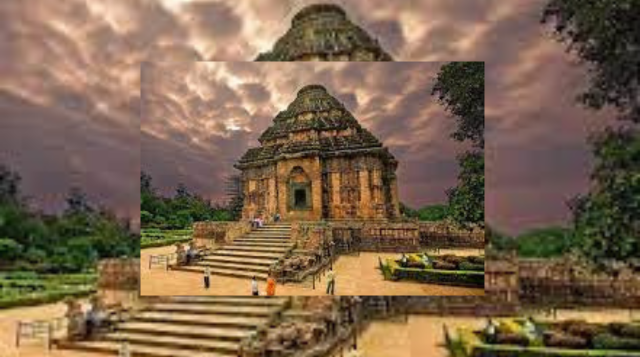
(187, 327)
(249, 255)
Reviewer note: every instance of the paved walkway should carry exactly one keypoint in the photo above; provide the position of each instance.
(355, 275)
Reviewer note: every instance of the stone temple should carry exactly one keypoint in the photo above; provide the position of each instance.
(316, 163)
(323, 32)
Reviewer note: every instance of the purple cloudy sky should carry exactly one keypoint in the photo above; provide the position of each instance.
(70, 94)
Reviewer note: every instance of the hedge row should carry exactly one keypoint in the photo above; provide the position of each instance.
(515, 351)
(46, 297)
(435, 276)
(153, 243)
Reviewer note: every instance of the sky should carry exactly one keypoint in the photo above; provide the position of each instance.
(70, 91)
(199, 118)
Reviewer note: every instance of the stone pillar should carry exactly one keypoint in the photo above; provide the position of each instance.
(365, 195)
(395, 203)
(335, 195)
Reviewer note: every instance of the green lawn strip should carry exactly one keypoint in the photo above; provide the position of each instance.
(549, 351)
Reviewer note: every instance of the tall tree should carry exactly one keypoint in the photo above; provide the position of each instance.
(9, 185)
(460, 89)
(606, 36)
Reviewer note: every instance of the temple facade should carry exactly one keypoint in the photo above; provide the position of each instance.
(316, 162)
(323, 32)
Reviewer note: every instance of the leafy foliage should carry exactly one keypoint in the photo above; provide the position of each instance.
(543, 242)
(605, 34)
(460, 88)
(608, 218)
(176, 212)
(467, 199)
(70, 242)
(430, 213)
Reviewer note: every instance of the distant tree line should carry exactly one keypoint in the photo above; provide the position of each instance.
(69, 242)
(431, 213)
(181, 210)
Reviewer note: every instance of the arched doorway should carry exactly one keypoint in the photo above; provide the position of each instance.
(299, 190)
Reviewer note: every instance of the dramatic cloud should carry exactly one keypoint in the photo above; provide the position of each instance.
(200, 119)
(70, 94)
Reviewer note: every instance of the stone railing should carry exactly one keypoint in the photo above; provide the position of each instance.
(558, 282)
(446, 235)
(218, 233)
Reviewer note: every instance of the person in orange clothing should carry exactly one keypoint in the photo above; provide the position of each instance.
(271, 285)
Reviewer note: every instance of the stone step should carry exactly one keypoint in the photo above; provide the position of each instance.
(264, 240)
(112, 347)
(234, 273)
(240, 260)
(199, 319)
(271, 230)
(233, 267)
(244, 243)
(234, 301)
(175, 342)
(182, 330)
(208, 309)
(266, 235)
(232, 253)
(254, 249)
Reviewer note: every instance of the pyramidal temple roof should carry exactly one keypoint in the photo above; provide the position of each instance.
(323, 30)
(315, 110)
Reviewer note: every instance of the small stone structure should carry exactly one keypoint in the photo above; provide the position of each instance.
(323, 32)
(119, 274)
(316, 162)
(446, 235)
(218, 233)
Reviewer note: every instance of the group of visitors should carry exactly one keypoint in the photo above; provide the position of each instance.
(271, 286)
(258, 222)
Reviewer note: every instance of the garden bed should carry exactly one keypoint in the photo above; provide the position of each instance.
(567, 338)
(446, 270)
(155, 237)
(28, 288)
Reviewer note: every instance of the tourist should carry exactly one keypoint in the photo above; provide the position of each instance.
(490, 332)
(271, 285)
(276, 218)
(259, 222)
(254, 286)
(190, 254)
(331, 282)
(207, 274)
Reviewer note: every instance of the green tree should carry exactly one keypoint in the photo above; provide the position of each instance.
(460, 89)
(9, 250)
(606, 36)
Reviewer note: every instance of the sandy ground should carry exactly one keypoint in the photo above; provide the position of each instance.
(355, 275)
(423, 335)
(36, 347)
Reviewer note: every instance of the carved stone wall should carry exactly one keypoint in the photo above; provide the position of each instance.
(219, 232)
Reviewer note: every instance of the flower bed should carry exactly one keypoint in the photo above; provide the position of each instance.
(567, 338)
(446, 270)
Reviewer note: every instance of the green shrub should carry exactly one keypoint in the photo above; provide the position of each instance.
(607, 341)
(471, 266)
(446, 277)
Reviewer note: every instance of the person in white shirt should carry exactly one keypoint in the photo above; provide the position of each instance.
(354, 352)
(254, 287)
(124, 350)
(331, 282)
